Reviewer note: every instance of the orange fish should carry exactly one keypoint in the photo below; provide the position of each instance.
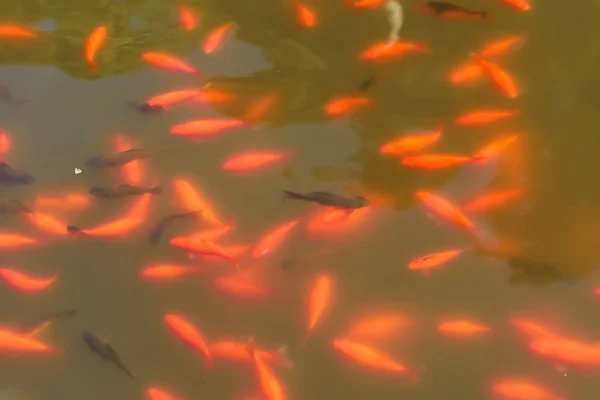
(94, 43)
(459, 327)
(268, 243)
(502, 46)
(190, 335)
(568, 351)
(4, 142)
(319, 299)
(203, 248)
(155, 393)
(169, 62)
(169, 271)
(437, 161)
(412, 143)
(431, 261)
(239, 287)
(206, 127)
(238, 352)
(47, 223)
(26, 283)
(173, 97)
(18, 343)
(345, 105)
(270, 386)
(215, 38)
(366, 3)
(448, 10)
(521, 5)
(371, 358)
(68, 202)
(210, 234)
(306, 15)
(139, 207)
(132, 172)
(493, 149)
(251, 161)
(482, 117)
(261, 107)
(491, 200)
(445, 210)
(191, 199)
(17, 32)
(533, 330)
(388, 50)
(187, 18)
(467, 72)
(109, 230)
(597, 291)
(499, 77)
(520, 389)
(12, 240)
(378, 326)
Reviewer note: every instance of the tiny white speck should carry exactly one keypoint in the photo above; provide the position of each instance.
(77, 171)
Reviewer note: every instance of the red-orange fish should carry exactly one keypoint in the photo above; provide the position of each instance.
(203, 248)
(445, 210)
(387, 50)
(17, 32)
(501, 79)
(252, 160)
(461, 327)
(567, 351)
(521, 5)
(435, 260)
(465, 73)
(412, 143)
(270, 386)
(110, 230)
(18, 343)
(23, 282)
(191, 199)
(4, 142)
(484, 116)
(133, 172)
(206, 127)
(306, 15)
(47, 223)
(502, 46)
(521, 389)
(240, 287)
(319, 299)
(187, 17)
(437, 161)
(379, 326)
(215, 38)
(190, 335)
(346, 105)
(94, 43)
(268, 243)
(491, 200)
(261, 107)
(169, 271)
(238, 352)
(13, 240)
(366, 3)
(170, 98)
(169, 62)
(492, 150)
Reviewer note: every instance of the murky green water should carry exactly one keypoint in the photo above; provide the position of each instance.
(73, 113)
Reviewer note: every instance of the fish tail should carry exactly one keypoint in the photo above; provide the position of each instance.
(73, 230)
(155, 190)
(294, 195)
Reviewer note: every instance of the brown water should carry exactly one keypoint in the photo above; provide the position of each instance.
(73, 112)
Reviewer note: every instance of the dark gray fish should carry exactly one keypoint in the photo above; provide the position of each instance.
(122, 191)
(330, 199)
(367, 83)
(451, 11)
(527, 269)
(101, 347)
(147, 109)
(13, 207)
(119, 159)
(39, 322)
(162, 225)
(7, 96)
(13, 176)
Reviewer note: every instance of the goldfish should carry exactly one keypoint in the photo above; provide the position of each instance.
(450, 11)
(109, 230)
(40, 324)
(366, 3)
(162, 225)
(121, 191)
(203, 248)
(502, 46)
(17, 32)
(215, 38)
(268, 243)
(491, 200)
(239, 287)
(306, 15)
(170, 98)
(520, 389)
(188, 21)
(26, 283)
(191, 199)
(168, 271)
(261, 107)
(369, 357)
(238, 352)
(19, 343)
(94, 43)
(319, 299)
(484, 116)
(437, 161)
(155, 393)
(13, 176)
(100, 346)
(447, 211)
(499, 77)
(330, 199)
(459, 327)
(5, 144)
(12, 240)
(412, 143)
(493, 149)
(378, 326)
(47, 223)
(251, 161)
(533, 330)
(434, 260)
(520, 5)
(167, 61)
(388, 50)
(270, 386)
(464, 73)
(567, 351)
(345, 105)
(190, 335)
(206, 127)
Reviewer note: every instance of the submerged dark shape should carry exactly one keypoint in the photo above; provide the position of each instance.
(330, 199)
(525, 269)
(162, 225)
(448, 10)
(122, 191)
(146, 108)
(13, 207)
(48, 318)
(118, 159)
(13, 176)
(367, 83)
(7, 96)
(101, 347)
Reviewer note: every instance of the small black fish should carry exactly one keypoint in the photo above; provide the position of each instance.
(163, 224)
(118, 159)
(13, 207)
(451, 11)
(13, 176)
(122, 191)
(6, 95)
(41, 322)
(101, 347)
(146, 108)
(330, 199)
(367, 83)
